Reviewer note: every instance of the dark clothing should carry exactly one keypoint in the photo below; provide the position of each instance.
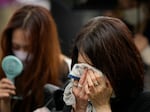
(141, 103)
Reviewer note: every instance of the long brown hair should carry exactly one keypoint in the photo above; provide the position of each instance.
(44, 67)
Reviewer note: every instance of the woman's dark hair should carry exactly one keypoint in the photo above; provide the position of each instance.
(108, 43)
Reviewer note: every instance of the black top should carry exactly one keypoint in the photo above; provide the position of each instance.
(141, 103)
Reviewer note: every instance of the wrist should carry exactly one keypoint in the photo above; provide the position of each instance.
(103, 108)
(78, 109)
(5, 105)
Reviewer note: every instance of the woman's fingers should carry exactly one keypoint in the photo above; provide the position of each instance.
(6, 84)
(78, 87)
(82, 78)
(93, 80)
(7, 88)
(5, 80)
(6, 93)
(79, 83)
(96, 83)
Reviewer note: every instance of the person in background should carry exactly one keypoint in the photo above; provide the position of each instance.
(43, 3)
(107, 44)
(31, 35)
(6, 8)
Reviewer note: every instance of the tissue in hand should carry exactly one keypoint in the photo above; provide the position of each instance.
(78, 70)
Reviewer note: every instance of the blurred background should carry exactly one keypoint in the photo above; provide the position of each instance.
(70, 15)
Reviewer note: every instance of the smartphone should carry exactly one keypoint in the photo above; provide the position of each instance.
(78, 70)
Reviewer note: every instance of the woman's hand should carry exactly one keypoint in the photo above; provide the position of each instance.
(99, 91)
(7, 88)
(80, 94)
(94, 87)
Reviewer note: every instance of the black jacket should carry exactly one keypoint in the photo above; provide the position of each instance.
(141, 103)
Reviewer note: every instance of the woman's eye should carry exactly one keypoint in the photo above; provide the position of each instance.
(26, 48)
(15, 47)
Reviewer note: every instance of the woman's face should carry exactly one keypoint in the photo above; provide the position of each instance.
(82, 58)
(20, 44)
(19, 41)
